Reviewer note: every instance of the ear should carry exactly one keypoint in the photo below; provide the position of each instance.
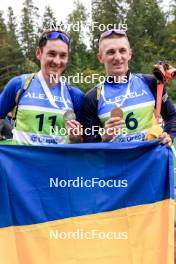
(130, 54)
(38, 53)
(99, 57)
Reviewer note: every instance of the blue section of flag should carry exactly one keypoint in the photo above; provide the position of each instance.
(25, 172)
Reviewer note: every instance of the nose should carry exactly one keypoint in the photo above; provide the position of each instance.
(117, 56)
(57, 60)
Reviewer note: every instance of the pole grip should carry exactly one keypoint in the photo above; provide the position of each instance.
(160, 87)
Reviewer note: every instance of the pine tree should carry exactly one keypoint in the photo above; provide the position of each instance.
(170, 44)
(78, 55)
(146, 32)
(3, 30)
(15, 51)
(11, 23)
(4, 75)
(29, 29)
(49, 19)
(11, 57)
(106, 14)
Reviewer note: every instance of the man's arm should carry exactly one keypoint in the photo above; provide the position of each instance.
(5, 130)
(168, 111)
(78, 100)
(74, 126)
(7, 103)
(90, 120)
(7, 97)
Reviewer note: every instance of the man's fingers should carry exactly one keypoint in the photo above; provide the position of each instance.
(5, 130)
(164, 134)
(166, 139)
(74, 128)
(73, 123)
(115, 124)
(113, 119)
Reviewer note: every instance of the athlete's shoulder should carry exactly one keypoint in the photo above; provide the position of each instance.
(76, 94)
(77, 97)
(92, 92)
(75, 90)
(150, 78)
(15, 83)
(8, 95)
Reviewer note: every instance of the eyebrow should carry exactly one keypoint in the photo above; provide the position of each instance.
(110, 49)
(50, 50)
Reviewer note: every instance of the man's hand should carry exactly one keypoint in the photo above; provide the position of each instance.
(112, 128)
(5, 130)
(74, 131)
(166, 139)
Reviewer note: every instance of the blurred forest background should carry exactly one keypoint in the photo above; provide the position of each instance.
(151, 31)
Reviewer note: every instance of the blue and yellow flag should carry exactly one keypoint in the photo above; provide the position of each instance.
(86, 204)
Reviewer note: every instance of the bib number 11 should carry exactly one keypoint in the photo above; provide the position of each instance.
(41, 121)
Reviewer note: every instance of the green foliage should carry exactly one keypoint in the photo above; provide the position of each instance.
(146, 27)
(78, 55)
(29, 29)
(151, 32)
(48, 18)
(106, 14)
(30, 66)
(11, 57)
(171, 89)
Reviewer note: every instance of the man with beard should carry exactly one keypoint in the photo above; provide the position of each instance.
(40, 103)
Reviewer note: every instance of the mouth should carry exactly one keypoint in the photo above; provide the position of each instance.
(54, 68)
(118, 65)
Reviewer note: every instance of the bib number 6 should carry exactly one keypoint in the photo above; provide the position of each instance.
(131, 122)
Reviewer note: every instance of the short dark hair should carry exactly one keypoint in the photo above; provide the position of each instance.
(42, 41)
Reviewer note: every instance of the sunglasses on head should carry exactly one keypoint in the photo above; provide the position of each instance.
(56, 35)
(110, 32)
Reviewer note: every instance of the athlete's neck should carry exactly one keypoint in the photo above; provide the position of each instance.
(117, 78)
(51, 79)
(120, 78)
